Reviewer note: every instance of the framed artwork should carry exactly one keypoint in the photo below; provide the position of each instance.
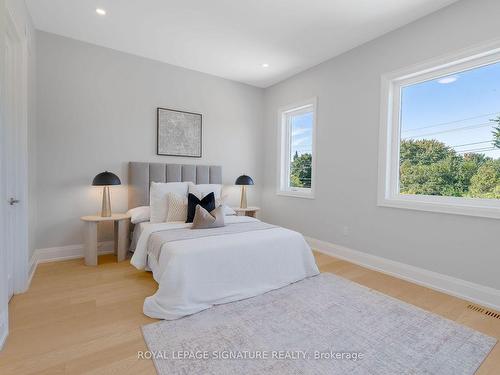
(178, 133)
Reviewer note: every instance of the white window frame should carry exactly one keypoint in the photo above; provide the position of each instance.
(284, 150)
(388, 178)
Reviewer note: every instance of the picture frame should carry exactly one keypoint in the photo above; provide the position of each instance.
(179, 133)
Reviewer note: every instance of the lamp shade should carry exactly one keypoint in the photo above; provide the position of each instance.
(244, 180)
(106, 178)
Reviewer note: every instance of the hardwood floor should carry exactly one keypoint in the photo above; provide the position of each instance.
(76, 319)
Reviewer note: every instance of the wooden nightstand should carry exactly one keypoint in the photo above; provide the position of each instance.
(121, 222)
(249, 211)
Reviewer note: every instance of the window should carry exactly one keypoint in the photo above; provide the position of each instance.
(440, 137)
(296, 149)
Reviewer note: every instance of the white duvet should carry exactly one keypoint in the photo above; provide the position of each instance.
(196, 274)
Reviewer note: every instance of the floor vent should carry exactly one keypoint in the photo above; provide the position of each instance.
(482, 310)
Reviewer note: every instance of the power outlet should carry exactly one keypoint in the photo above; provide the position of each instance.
(345, 230)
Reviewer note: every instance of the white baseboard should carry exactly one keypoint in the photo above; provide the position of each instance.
(476, 293)
(56, 254)
(4, 327)
(32, 268)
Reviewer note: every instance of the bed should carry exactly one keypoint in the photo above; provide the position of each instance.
(196, 269)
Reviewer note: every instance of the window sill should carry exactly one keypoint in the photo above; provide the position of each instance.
(448, 205)
(295, 194)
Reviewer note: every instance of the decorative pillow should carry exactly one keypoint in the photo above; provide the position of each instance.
(139, 214)
(158, 198)
(204, 219)
(208, 203)
(177, 207)
(202, 190)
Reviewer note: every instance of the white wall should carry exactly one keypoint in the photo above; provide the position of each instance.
(97, 111)
(348, 91)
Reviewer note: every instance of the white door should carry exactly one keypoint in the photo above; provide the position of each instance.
(13, 149)
(13, 167)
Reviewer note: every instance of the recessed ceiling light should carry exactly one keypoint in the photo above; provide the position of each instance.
(100, 12)
(449, 79)
(265, 65)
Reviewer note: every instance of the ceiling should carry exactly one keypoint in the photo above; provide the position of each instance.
(231, 38)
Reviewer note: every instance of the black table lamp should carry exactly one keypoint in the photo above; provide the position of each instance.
(106, 179)
(244, 180)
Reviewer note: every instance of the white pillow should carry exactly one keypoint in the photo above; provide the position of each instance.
(177, 208)
(139, 214)
(158, 198)
(203, 189)
(228, 211)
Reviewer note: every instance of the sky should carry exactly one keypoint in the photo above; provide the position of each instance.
(301, 133)
(454, 110)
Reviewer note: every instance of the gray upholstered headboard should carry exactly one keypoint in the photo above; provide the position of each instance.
(140, 176)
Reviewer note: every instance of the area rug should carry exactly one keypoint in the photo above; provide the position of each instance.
(322, 325)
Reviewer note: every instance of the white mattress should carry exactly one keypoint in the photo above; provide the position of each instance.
(196, 274)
